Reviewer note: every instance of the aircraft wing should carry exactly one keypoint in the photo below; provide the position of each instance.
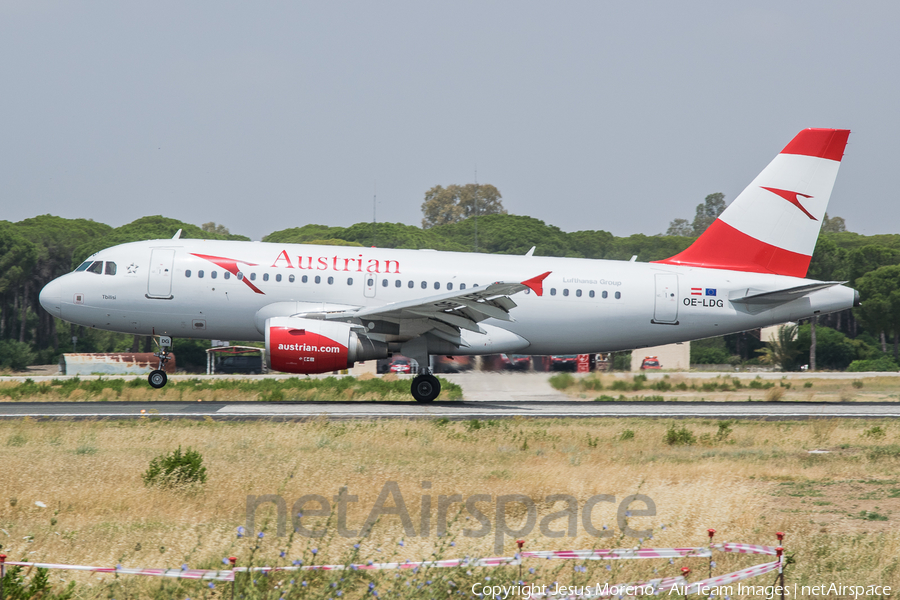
(754, 297)
(449, 312)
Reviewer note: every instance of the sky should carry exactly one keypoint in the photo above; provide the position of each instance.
(619, 116)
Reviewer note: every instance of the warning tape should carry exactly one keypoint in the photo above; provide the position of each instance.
(662, 585)
(174, 573)
(595, 554)
(625, 553)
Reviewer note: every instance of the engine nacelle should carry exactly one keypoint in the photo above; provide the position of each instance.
(309, 346)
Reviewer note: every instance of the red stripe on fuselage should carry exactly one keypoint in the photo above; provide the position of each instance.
(822, 143)
(230, 265)
(724, 247)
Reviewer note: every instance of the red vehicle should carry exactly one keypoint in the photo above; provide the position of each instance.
(401, 364)
(650, 362)
(564, 362)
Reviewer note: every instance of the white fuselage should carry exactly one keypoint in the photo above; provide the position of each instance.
(586, 306)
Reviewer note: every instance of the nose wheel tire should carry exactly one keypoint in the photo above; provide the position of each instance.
(425, 388)
(157, 378)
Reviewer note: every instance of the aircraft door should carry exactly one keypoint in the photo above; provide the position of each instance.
(159, 284)
(370, 284)
(666, 306)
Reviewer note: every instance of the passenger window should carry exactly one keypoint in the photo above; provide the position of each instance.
(411, 284)
(278, 278)
(566, 292)
(265, 276)
(226, 275)
(437, 285)
(605, 294)
(187, 272)
(618, 295)
(83, 266)
(96, 267)
(450, 286)
(318, 279)
(349, 281)
(591, 293)
(384, 283)
(252, 276)
(214, 274)
(552, 291)
(110, 268)
(200, 274)
(291, 278)
(330, 280)
(462, 286)
(397, 283)
(424, 284)
(304, 279)
(240, 276)
(370, 282)
(578, 293)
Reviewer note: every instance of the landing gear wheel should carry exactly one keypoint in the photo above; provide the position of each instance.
(157, 378)
(426, 388)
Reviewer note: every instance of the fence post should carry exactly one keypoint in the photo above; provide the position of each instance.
(710, 533)
(233, 561)
(519, 543)
(779, 551)
(685, 571)
(2, 575)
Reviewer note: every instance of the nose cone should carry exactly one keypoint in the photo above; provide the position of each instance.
(50, 297)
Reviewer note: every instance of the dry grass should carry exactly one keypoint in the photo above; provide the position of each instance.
(790, 388)
(747, 483)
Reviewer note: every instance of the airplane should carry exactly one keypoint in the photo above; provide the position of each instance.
(323, 308)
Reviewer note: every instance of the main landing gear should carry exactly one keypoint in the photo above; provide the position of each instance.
(158, 377)
(425, 387)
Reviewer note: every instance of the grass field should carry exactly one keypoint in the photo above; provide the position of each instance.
(745, 479)
(296, 389)
(608, 387)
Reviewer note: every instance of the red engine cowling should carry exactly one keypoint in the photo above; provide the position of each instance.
(309, 346)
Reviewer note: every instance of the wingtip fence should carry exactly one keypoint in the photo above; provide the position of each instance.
(650, 586)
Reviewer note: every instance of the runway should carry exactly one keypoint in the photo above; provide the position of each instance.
(545, 409)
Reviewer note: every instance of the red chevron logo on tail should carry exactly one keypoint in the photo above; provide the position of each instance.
(791, 197)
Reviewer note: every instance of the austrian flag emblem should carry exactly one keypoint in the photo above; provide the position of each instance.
(699, 291)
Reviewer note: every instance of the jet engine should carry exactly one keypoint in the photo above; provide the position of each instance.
(308, 346)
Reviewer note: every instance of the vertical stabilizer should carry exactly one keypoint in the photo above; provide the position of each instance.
(772, 226)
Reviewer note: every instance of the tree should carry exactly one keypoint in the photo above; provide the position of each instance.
(880, 308)
(833, 225)
(782, 350)
(712, 207)
(458, 202)
(680, 227)
(834, 350)
(211, 227)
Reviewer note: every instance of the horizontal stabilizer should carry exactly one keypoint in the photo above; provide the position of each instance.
(756, 297)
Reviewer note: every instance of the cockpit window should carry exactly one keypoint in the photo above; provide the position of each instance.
(110, 268)
(96, 267)
(83, 266)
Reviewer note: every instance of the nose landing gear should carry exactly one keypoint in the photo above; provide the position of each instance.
(158, 377)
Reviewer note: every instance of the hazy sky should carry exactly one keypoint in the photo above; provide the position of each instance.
(588, 115)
